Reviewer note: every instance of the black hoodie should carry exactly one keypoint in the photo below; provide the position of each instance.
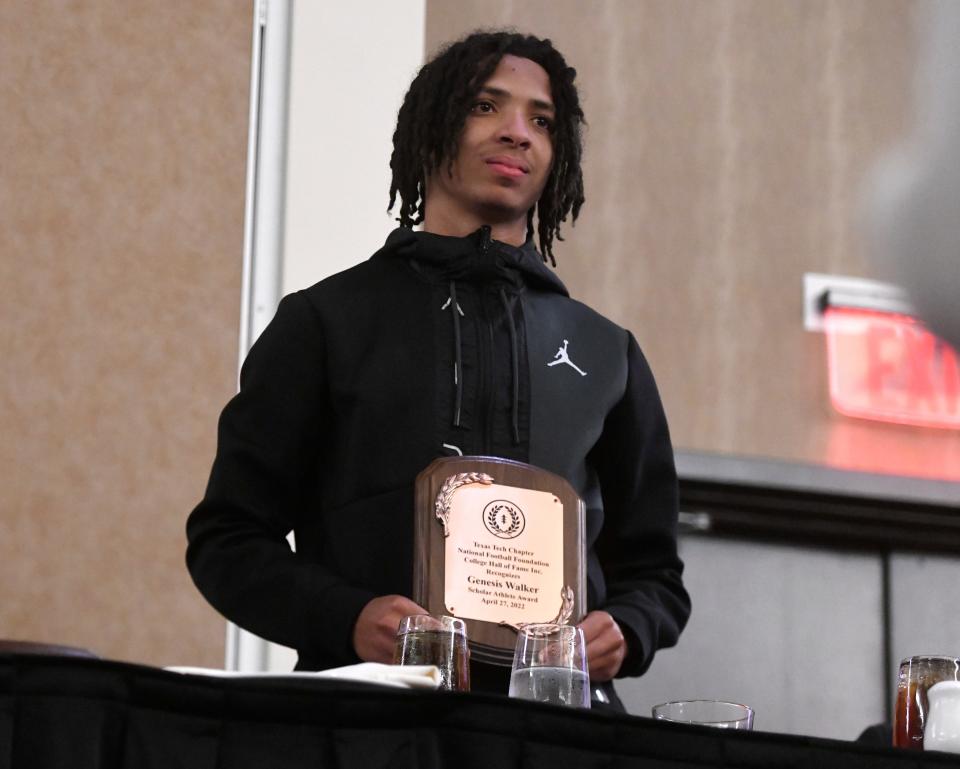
(434, 345)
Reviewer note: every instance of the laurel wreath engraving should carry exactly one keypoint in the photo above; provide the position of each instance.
(515, 522)
(445, 497)
(562, 618)
(566, 606)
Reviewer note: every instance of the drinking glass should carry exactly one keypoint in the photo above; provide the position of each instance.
(722, 715)
(550, 665)
(423, 639)
(917, 675)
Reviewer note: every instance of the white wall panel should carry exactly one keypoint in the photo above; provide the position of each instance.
(924, 605)
(351, 64)
(795, 633)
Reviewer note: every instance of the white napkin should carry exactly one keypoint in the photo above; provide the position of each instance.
(402, 676)
(410, 676)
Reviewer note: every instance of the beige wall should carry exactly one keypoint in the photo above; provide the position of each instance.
(123, 144)
(726, 150)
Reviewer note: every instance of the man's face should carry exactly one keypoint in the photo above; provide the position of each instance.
(505, 150)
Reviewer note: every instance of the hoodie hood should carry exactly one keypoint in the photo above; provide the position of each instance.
(474, 258)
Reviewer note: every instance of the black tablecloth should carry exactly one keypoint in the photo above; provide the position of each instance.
(92, 714)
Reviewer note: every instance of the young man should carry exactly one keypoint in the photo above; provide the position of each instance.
(454, 339)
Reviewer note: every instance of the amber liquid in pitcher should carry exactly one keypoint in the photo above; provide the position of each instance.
(908, 718)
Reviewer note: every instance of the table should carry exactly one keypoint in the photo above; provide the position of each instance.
(96, 714)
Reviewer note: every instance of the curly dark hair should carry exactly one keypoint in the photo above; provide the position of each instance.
(432, 117)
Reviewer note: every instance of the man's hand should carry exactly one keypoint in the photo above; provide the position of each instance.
(375, 632)
(606, 646)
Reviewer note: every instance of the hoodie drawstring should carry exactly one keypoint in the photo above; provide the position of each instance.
(514, 369)
(457, 353)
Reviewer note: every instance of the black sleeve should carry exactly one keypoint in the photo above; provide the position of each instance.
(268, 442)
(637, 546)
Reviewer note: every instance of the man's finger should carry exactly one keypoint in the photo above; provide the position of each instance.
(592, 625)
(603, 645)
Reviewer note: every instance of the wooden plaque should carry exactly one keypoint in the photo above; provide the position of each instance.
(498, 544)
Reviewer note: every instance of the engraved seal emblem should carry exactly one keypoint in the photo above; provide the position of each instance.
(503, 519)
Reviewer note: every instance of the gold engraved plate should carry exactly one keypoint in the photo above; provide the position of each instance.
(500, 544)
(504, 554)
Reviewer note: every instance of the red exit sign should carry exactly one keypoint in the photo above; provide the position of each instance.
(889, 367)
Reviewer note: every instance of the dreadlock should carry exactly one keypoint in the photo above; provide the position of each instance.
(435, 108)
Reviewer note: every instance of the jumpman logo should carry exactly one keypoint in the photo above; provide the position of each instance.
(563, 357)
